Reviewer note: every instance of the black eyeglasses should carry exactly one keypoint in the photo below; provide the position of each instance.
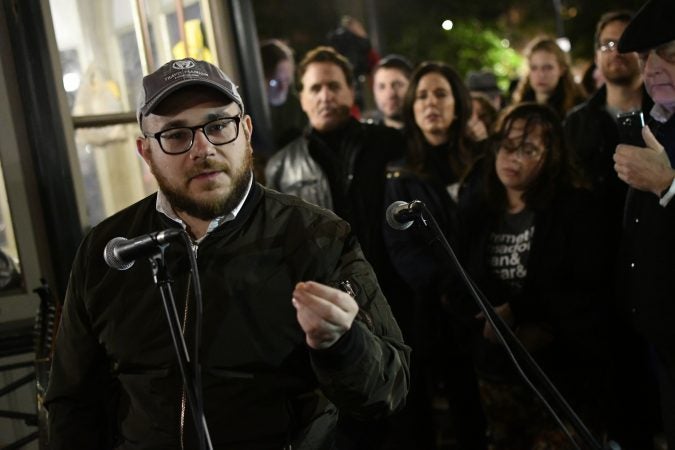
(175, 141)
(609, 46)
(525, 150)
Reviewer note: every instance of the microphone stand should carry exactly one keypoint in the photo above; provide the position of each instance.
(506, 335)
(161, 278)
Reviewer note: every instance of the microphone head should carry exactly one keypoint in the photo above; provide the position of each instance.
(392, 219)
(110, 255)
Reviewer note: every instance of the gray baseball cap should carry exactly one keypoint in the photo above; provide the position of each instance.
(179, 73)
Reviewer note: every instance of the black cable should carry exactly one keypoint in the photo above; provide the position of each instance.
(191, 378)
(204, 438)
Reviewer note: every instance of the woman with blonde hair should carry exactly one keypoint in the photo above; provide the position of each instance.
(549, 79)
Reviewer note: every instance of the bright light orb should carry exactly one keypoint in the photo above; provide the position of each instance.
(71, 81)
(447, 25)
(564, 43)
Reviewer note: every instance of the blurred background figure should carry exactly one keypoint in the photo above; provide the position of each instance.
(486, 100)
(549, 80)
(592, 133)
(390, 81)
(10, 276)
(483, 117)
(533, 245)
(591, 128)
(484, 82)
(646, 262)
(436, 112)
(339, 163)
(287, 117)
(351, 40)
(592, 79)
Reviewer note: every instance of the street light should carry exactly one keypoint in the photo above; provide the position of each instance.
(562, 41)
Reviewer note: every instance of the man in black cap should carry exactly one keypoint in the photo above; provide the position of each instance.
(294, 326)
(484, 82)
(647, 258)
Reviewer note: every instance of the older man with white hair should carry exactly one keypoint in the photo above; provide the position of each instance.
(647, 264)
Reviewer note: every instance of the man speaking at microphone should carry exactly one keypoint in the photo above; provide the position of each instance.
(285, 347)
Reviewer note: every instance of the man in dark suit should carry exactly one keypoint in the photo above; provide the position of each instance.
(647, 258)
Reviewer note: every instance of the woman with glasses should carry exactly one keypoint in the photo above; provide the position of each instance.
(533, 244)
(549, 79)
(436, 112)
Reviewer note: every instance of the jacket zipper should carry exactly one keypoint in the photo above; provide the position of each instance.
(183, 397)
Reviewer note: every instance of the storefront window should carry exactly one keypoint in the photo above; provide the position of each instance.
(106, 46)
(113, 174)
(10, 269)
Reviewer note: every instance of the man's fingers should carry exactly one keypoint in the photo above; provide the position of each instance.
(327, 311)
(318, 331)
(651, 140)
(332, 305)
(310, 317)
(325, 295)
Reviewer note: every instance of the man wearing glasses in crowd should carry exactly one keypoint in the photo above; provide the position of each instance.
(295, 326)
(592, 133)
(647, 259)
(591, 128)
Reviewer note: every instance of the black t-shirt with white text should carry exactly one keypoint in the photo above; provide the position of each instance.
(508, 249)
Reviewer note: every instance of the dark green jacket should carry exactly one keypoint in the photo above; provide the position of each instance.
(115, 377)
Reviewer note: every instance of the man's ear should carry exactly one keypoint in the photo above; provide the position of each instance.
(247, 124)
(143, 148)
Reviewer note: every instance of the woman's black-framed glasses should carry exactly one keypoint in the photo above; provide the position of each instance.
(525, 150)
(175, 141)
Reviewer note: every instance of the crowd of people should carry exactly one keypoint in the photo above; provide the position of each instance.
(327, 328)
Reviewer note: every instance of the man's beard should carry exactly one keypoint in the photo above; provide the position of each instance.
(209, 209)
(626, 77)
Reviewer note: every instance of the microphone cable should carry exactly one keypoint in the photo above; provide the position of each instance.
(204, 437)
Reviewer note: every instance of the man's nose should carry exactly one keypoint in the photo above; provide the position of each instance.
(201, 147)
(652, 62)
(325, 93)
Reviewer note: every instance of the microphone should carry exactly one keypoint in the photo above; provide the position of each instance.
(121, 253)
(401, 215)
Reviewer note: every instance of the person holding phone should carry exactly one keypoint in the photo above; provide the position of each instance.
(647, 252)
(592, 129)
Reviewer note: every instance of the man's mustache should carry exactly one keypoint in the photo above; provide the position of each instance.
(208, 166)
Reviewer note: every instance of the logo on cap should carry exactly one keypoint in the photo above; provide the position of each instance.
(183, 64)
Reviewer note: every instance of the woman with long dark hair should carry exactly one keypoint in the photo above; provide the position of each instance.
(534, 246)
(436, 112)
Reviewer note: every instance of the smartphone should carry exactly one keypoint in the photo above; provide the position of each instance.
(630, 128)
